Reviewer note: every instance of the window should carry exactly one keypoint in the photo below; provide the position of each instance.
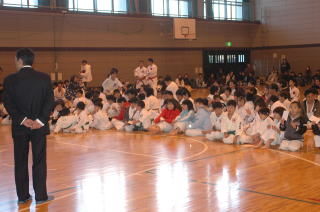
(241, 58)
(231, 58)
(224, 9)
(21, 3)
(103, 6)
(174, 8)
(219, 58)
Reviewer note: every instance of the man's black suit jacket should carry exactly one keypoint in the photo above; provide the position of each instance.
(28, 93)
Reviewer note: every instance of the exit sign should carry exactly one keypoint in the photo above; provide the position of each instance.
(228, 44)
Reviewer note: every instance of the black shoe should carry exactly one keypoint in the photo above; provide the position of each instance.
(50, 198)
(24, 201)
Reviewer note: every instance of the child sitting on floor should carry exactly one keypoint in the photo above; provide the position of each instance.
(186, 116)
(100, 117)
(83, 119)
(201, 122)
(65, 122)
(231, 125)
(163, 123)
(294, 128)
(264, 130)
(142, 121)
(119, 121)
(215, 117)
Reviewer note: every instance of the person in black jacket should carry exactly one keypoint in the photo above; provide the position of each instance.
(294, 128)
(28, 98)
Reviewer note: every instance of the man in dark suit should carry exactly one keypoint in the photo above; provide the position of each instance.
(28, 98)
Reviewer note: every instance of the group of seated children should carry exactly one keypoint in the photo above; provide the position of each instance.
(233, 114)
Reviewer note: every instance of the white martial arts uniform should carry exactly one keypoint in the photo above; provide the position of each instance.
(231, 126)
(265, 133)
(101, 121)
(83, 122)
(216, 125)
(152, 77)
(173, 87)
(140, 73)
(86, 74)
(88, 103)
(65, 124)
(112, 110)
(294, 94)
(247, 118)
(153, 105)
(226, 98)
(59, 95)
(144, 117)
(109, 85)
(275, 105)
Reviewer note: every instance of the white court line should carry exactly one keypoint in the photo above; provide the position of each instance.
(297, 157)
(139, 172)
(56, 199)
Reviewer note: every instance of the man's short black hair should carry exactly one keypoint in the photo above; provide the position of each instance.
(98, 104)
(232, 103)
(202, 101)
(114, 71)
(167, 79)
(274, 86)
(216, 105)
(141, 104)
(26, 55)
(133, 100)
(311, 91)
(111, 98)
(168, 93)
(264, 111)
(150, 60)
(84, 61)
(273, 98)
(121, 100)
(81, 106)
(279, 110)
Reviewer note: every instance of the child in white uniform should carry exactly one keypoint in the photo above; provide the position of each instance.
(277, 115)
(83, 120)
(66, 121)
(141, 121)
(216, 118)
(100, 118)
(111, 107)
(231, 124)
(264, 130)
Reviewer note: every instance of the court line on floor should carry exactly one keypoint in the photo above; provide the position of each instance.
(111, 150)
(133, 174)
(297, 157)
(56, 199)
(218, 155)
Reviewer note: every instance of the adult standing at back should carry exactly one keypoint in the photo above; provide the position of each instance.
(152, 75)
(28, 98)
(85, 72)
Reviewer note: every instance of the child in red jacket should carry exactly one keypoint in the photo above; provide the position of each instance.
(118, 121)
(163, 123)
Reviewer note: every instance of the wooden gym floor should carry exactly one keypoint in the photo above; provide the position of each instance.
(117, 171)
(114, 171)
